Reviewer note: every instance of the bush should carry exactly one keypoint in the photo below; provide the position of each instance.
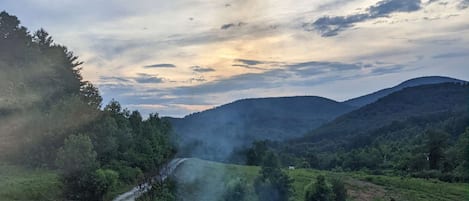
(160, 191)
(76, 155)
(129, 175)
(319, 190)
(235, 190)
(272, 184)
(104, 181)
(338, 188)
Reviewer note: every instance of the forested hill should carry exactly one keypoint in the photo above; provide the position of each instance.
(439, 101)
(370, 98)
(418, 130)
(223, 128)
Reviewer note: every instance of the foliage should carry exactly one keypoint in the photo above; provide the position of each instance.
(52, 118)
(105, 180)
(272, 184)
(161, 191)
(413, 132)
(76, 155)
(319, 191)
(436, 142)
(256, 153)
(235, 190)
(338, 189)
(21, 183)
(359, 185)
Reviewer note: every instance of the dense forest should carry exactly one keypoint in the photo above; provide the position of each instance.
(52, 118)
(419, 131)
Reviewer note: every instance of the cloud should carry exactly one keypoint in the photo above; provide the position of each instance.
(464, 4)
(144, 78)
(249, 62)
(387, 70)
(200, 79)
(451, 55)
(331, 26)
(232, 25)
(248, 66)
(113, 79)
(293, 74)
(161, 66)
(386, 7)
(200, 69)
(328, 26)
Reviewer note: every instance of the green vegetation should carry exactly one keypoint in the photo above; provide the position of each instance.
(160, 191)
(235, 190)
(359, 185)
(319, 190)
(244, 121)
(52, 119)
(418, 132)
(272, 184)
(58, 142)
(20, 183)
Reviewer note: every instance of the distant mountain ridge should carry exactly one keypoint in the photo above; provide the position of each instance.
(215, 133)
(239, 123)
(370, 98)
(420, 106)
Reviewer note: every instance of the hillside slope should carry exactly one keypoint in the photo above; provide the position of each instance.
(370, 98)
(440, 101)
(214, 133)
(393, 133)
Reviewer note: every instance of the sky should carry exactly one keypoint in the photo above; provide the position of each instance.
(184, 56)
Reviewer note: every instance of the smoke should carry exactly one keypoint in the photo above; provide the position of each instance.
(39, 102)
(205, 181)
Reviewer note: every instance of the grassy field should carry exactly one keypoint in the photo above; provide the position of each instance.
(18, 183)
(205, 181)
(24, 184)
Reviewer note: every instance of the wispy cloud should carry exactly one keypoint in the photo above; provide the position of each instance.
(249, 62)
(451, 55)
(144, 78)
(248, 66)
(114, 79)
(201, 69)
(232, 25)
(328, 26)
(161, 66)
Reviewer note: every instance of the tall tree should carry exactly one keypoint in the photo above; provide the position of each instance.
(436, 143)
(272, 184)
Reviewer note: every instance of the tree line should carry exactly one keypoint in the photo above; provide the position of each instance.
(52, 118)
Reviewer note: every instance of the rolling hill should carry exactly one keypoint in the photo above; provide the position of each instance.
(393, 133)
(215, 133)
(370, 98)
(431, 102)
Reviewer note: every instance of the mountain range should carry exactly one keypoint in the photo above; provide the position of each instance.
(215, 133)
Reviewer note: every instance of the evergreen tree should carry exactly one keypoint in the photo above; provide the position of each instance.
(319, 191)
(436, 143)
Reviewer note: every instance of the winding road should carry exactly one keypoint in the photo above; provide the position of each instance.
(137, 191)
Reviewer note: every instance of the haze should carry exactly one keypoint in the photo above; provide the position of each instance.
(178, 57)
